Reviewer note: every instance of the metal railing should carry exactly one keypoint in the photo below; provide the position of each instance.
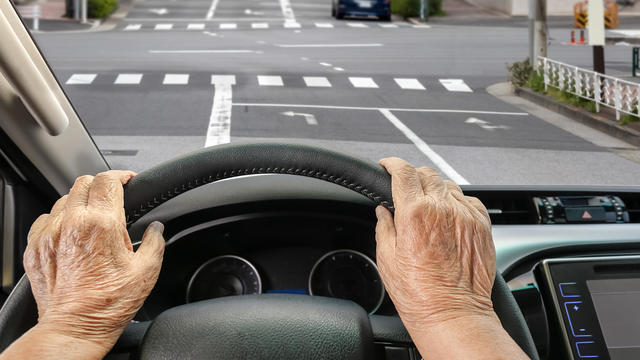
(621, 95)
(31, 12)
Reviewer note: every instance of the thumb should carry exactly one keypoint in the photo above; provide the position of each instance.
(149, 254)
(385, 233)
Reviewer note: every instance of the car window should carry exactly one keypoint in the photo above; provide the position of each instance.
(429, 81)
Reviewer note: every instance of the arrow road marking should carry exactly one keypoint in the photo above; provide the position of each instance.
(485, 124)
(310, 118)
(160, 11)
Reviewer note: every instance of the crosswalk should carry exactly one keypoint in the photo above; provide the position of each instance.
(165, 26)
(334, 81)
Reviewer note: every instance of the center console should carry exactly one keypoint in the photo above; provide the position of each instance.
(594, 305)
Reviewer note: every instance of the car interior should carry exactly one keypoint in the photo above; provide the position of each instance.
(286, 233)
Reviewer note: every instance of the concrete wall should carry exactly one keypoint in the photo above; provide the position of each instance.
(521, 7)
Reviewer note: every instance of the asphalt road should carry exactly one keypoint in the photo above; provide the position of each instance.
(174, 76)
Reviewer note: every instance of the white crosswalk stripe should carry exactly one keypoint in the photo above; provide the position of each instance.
(228, 26)
(259, 25)
(457, 85)
(175, 79)
(128, 79)
(363, 82)
(195, 27)
(409, 84)
(421, 26)
(324, 25)
(81, 79)
(163, 27)
(388, 26)
(223, 79)
(265, 80)
(133, 27)
(317, 81)
(357, 25)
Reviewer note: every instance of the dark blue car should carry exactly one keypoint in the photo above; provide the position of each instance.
(364, 8)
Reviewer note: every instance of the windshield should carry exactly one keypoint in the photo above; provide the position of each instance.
(431, 81)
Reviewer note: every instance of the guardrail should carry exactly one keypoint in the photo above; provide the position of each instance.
(31, 12)
(621, 95)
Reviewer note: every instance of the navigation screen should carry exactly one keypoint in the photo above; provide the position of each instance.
(617, 305)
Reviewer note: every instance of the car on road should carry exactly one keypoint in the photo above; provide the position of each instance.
(361, 8)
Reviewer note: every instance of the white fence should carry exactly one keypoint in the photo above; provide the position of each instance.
(32, 12)
(621, 95)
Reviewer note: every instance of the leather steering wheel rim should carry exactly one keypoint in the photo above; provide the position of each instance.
(159, 184)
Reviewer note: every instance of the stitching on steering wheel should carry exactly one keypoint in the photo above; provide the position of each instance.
(137, 214)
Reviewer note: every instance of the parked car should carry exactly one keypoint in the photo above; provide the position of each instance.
(361, 8)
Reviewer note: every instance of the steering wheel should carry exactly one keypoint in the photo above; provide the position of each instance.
(261, 326)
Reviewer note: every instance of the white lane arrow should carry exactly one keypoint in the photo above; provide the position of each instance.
(161, 11)
(485, 124)
(310, 118)
(473, 120)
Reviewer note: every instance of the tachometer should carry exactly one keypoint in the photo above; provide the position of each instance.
(348, 274)
(225, 275)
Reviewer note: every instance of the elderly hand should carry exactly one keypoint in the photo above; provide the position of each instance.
(86, 279)
(437, 261)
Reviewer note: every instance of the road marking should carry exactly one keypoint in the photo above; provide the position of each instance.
(421, 26)
(324, 25)
(128, 79)
(133, 27)
(338, 69)
(309, 118)
(161, 11)
(317, 81)
(201, 52)
(357, 25)
(363, 82)
(388, 25)
(292, 25)
(195, 27)
(228, 26)
(219, 130)
(209, 33)
(436, 159)
(287, 12)
(212, 9)
(327, 45)
(325, 64)
(455, 85)
(337, 107)
(259, 25)
(409, 84)
(81, 79)
(175, 79)
(163, 27)
(485, 124)
(265, 80)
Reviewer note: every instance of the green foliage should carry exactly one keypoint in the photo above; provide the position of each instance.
(519, 72)
(411, 8)
(536, 81)
(101, 8)
(626, 119)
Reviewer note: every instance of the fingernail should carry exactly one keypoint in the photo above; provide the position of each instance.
(157, 226)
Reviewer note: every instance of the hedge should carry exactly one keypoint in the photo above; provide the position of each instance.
(411, 8)
(101, 8)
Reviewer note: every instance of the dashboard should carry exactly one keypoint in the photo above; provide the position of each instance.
(284, 234)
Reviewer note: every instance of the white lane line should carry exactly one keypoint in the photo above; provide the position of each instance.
(317, 81)
(336, 107)
(409, 84)
(219, 130)
(325, 64)
(436, 159)
(81, 79)
(327, 45)
(132, 27)
(324, 25)
(128, 79)
(265, 80)
(421, 26)
(357, 25)
(212, 9)
(163, 27)
(259, 25)
(388, 26)
(457, 85)
(175, 79)
(292, 25)
(363, 82)
(201, 51)
(287, 12)
(228, 26)
(198, 26)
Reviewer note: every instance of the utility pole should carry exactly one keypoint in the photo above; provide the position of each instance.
(596, 33)
(537, 30)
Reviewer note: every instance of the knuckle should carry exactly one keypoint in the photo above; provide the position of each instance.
(83, 179)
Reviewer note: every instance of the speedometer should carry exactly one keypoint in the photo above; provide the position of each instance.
(348, 274)
(225, 275)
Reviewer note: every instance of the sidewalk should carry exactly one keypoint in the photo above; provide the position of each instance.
(51, 16)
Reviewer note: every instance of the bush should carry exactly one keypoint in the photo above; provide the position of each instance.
(519, 72)
(101, 8)
(411, 8)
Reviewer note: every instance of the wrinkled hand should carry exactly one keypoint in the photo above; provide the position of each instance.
(86, 279)
(436, 256)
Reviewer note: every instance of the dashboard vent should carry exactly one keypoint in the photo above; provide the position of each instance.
(509, 208)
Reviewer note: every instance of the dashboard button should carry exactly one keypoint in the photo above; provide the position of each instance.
(396, 353)
(569, 289)
(577, 318)
(587, 349)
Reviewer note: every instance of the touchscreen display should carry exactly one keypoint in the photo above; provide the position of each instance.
(617, 307)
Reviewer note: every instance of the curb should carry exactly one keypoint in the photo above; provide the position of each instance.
(593, 120)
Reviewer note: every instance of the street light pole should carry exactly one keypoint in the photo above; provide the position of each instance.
(537, 30)
(596, 33)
